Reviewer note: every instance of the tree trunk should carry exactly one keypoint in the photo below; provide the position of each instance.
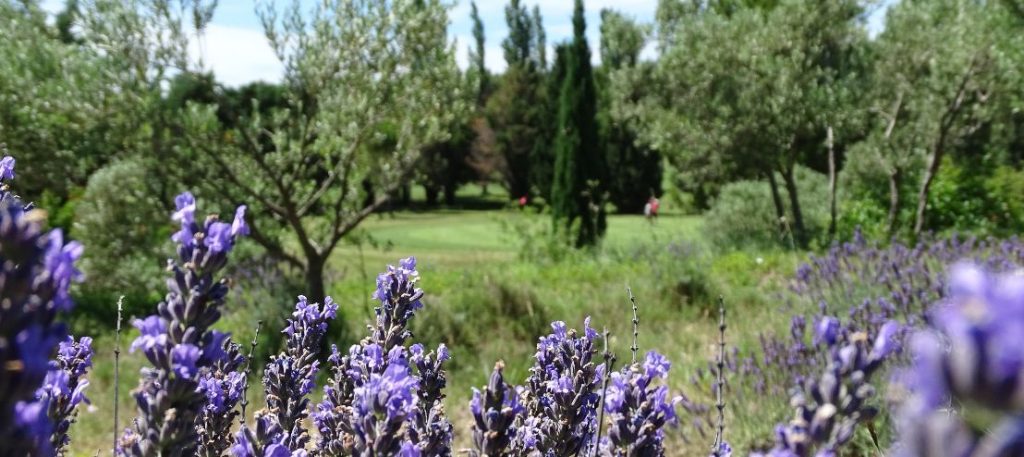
(926, 185)
(431, 195)
(780, 210)
(829, 142)
(895, 181)
(789, 180)
(315, 290)
(449, 194)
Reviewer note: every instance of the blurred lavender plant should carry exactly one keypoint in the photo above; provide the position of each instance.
(290, 377)
(36, 271)
(64, 388)
(639, 408)
(178, 341)
(561, 396)
(967, 374)
(864, 285)
(829, 407)
(375, 403)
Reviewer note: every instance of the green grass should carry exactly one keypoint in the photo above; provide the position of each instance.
(488, 305)
(453, 238)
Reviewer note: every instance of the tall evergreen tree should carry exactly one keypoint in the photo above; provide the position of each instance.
(515, 110)
(577, 192)
(541, 39)
(543, 158)
(476, 56)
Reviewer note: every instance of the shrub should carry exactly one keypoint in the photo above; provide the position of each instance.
(123, 224)
(743, 215)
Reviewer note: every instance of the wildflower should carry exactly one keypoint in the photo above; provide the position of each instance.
(179, 344)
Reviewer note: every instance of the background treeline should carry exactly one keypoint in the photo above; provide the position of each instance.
(786, 122)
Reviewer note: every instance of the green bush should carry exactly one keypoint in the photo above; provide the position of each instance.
(743, 214)
(126, 237)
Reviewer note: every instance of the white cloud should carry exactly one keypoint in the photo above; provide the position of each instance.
(237, 55)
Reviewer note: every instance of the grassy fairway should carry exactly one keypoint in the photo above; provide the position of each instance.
(456, 238)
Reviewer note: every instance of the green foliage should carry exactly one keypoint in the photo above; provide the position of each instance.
(516, 110)
(635, 169)
(125, 230)
(742, 217)
(577, 191)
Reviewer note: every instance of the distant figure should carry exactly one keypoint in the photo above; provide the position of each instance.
(522, 202)
(651, 209)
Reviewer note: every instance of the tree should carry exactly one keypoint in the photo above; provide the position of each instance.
(515, 110)
(637, 167)
(542, 160)
(758, 106)
(368, 84)
(476, 57)
(577, 191)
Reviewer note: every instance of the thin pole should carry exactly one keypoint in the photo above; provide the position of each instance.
(636, 324)
(248, 366)
(719, 435)
(117, 367)
(609, 362)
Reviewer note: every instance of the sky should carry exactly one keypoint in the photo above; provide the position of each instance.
(237, 52)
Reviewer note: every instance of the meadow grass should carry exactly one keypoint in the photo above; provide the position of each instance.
(488, 305)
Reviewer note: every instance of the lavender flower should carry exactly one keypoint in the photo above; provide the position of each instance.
(639, 408)
(290, 376)
(178, 341)
(36, 270)
(379, 370)
(562, 391)
(829, 407)
(64, 388)
(971, 354)
(6, 168)
(266, 440)
(399, 299)
(224, 386)
(495, 411)
(431, 430)
(7, 174)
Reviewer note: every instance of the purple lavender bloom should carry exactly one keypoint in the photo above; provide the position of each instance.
(173, 414)
(36, 270)
(399, 299)
(238, 226)
(638, 410)
(290, 375)
(970, 354)
(223, 385)
(183, 360)
(265, 440)
(724, 450)
(496, 412)
(64, 388)
(826, 331)
(431, 430)
(219, 237)
(366, 375)
(830, 406)
(563, 387)
(6, 168)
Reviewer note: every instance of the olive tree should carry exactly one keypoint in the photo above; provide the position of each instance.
(368, 84)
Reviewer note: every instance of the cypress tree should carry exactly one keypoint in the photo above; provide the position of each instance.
(577, 192)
